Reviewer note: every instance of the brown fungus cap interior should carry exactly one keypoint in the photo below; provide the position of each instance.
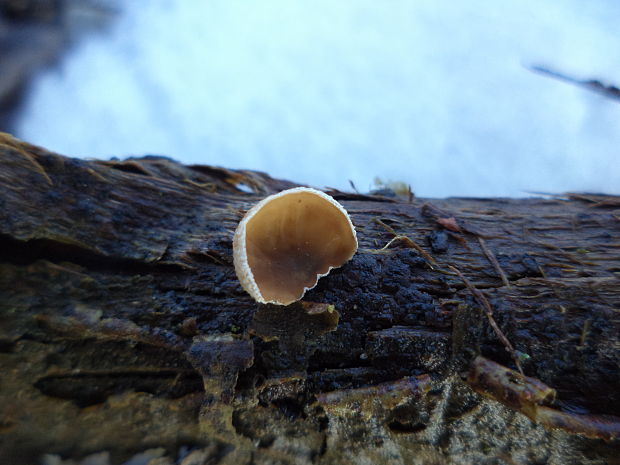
(293, 239)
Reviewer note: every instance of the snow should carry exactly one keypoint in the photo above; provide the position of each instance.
(432, 93)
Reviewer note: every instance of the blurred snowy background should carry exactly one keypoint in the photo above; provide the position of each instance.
(432, 93)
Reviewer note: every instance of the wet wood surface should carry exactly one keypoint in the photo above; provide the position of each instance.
(123, 328)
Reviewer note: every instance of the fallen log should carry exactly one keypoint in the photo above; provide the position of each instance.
(124, 331)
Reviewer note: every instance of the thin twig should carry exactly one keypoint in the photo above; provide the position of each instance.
(596, 200)
(387, 227)
(484, 303)
(491, 257)
(208, 186)
(594, 85)
(408, 241)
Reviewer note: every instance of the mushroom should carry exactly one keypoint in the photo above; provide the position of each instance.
(289, 240)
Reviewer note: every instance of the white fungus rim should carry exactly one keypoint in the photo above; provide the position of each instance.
(240, 257)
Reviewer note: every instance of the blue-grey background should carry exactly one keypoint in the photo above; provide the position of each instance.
(433, 93)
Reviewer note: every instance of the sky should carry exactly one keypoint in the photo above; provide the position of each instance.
(431, 93)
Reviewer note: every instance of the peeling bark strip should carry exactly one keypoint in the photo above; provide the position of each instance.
(124, 331)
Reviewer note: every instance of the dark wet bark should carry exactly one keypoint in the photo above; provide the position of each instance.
(123, 327)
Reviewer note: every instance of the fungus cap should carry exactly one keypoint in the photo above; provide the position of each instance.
(289, 240)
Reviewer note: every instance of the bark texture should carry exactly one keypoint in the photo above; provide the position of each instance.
(124, 331)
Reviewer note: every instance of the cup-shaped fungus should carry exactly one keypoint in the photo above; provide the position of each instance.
(289, 240)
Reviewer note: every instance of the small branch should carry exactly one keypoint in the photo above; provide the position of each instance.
(593, 85)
